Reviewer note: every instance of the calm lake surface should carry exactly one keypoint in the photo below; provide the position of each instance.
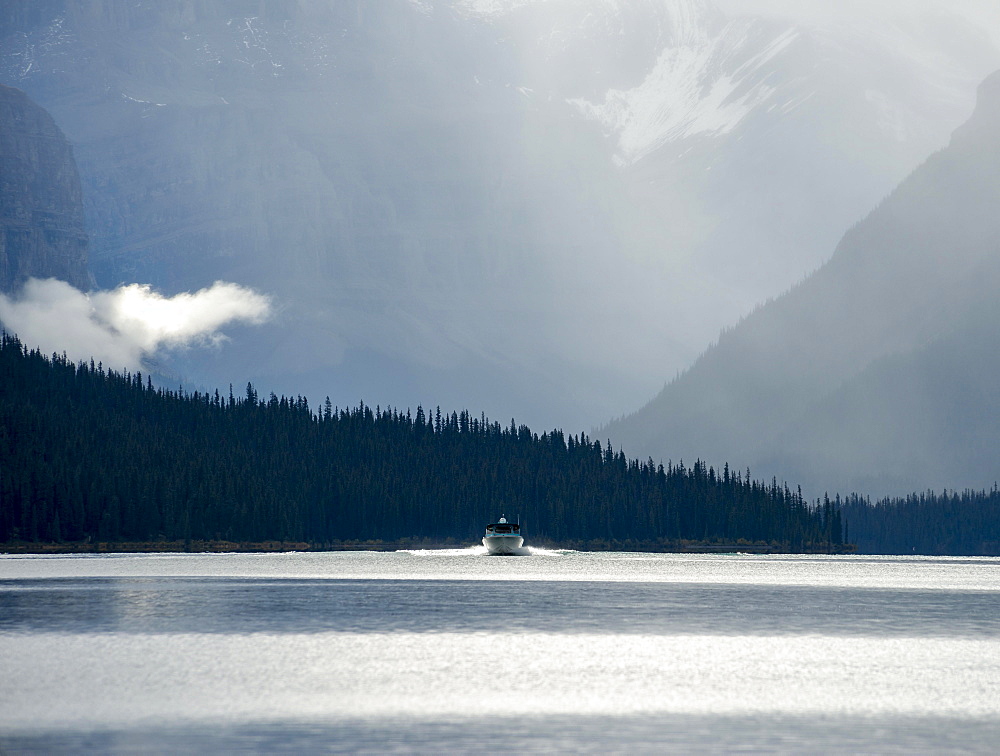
(457, 651)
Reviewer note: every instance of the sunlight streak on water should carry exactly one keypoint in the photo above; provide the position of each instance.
(244, 677)
(925, 573)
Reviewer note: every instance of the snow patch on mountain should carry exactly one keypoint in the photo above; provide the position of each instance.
(705, 85)
(25, 52)
(490, 9)
(891, 116)
(422, 6)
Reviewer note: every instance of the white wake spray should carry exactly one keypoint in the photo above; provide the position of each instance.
(478, 550)
(481, 550)
(123, 326)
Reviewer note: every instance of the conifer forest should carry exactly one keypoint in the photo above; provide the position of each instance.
(89, 454)
(94, 455)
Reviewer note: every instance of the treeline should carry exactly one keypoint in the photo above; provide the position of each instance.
(948, 523)
(92, 454)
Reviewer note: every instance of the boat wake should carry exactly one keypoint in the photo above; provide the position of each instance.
(479, 550)
(538, 551)
(482, 551)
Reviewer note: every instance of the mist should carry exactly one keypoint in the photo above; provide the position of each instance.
(877, 373)
(126, 326)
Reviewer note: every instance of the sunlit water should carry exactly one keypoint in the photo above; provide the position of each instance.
(457, 651)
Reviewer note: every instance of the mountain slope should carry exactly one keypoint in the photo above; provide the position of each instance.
(843, 382)
(41, 210)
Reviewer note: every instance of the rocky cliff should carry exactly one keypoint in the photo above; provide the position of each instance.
(41, 209)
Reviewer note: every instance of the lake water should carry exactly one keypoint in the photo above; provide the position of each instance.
(457, 651)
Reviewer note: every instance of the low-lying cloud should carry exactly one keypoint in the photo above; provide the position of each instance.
(123, 326)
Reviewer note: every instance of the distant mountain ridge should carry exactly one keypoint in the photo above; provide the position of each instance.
(41, 209)
(878, 372)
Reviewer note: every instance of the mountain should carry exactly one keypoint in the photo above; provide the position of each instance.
(533, 208)
(878, 372)
(41, 211)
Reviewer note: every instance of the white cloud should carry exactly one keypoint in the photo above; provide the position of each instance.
(125, 325)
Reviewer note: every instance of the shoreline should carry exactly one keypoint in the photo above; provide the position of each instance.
(194, 546)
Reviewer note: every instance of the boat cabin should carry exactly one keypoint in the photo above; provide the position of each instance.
(503, 527)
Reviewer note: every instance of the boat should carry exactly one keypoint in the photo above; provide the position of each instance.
(503, 537)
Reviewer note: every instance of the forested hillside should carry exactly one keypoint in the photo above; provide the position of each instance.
(953, 523)
(87, 453)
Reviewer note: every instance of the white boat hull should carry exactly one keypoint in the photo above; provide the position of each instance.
(502, 544)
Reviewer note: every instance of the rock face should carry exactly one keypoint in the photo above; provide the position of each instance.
(41, 210)
(879, 372)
